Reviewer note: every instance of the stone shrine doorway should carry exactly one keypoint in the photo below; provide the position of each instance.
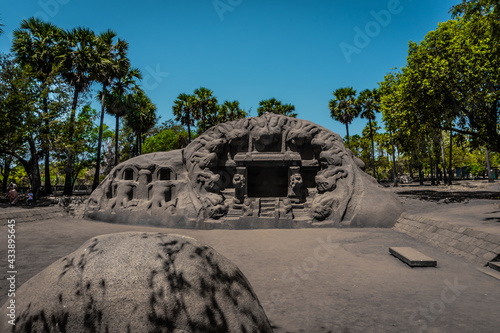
(267, 181)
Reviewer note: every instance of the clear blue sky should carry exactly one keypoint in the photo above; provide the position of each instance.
(250, 50)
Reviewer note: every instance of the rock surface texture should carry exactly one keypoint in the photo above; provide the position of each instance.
(270, 171)
(139, 282)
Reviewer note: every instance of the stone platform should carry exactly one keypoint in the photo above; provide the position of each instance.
(412, 257)
(476, 246)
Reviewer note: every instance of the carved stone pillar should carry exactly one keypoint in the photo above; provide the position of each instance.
(143, 184)
(295, 183)
(239, 182)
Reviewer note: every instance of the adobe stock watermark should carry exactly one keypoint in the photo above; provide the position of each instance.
(223, 6)
(153, 77)
(50, 8)
(426, 315)
(363, 36)
(292, 277)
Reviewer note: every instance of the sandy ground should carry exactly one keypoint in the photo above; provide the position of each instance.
(324, 280)
(474, 204)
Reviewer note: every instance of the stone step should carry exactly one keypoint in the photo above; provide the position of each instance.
(300, 213)
(412, 257)
(495, 265)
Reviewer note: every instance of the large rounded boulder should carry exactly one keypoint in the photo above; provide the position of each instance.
(139, 282)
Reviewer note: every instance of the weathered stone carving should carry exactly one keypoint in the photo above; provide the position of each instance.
(239, 183)
(295, 187)
(223, 174)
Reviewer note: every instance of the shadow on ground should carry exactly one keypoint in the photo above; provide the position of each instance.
(449, 197)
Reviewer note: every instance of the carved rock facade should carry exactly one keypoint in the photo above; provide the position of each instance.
(271, 171)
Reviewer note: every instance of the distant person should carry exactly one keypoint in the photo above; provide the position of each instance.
(30, 198)
(12, 194)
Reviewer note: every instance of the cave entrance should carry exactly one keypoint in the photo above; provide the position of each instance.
(267, 181)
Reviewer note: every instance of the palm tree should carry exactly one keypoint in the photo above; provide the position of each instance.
(35, 46)
(141, 117)
(206, 105)
(120, 99)
(184, 110)
(79, 56)
(112, 63)
(368, 101)
(230, 111)
(344, 107)
(273, 105)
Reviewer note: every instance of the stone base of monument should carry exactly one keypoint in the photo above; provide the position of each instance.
(494, 265)
(412, 257)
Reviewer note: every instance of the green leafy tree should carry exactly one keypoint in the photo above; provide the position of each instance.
(369, 104)
(79, 56)
(206, 108)
(273, 105)
(85, 137)
(121, 99)
(185, 111)
(112, 63)
(440, 72)
(344, 107)
(171, 137)
(21, 121)
(230, 111)
(35, 46)
(472, 9)
(141, 117)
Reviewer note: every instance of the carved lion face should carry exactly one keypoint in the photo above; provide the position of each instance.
(295, 180)
(239, 181)
(325, 184)
(321, 212)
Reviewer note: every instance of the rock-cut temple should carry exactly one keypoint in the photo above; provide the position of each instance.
(270, 171)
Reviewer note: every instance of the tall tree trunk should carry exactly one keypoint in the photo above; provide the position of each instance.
(445, 180)
(450, 173)
(99, 141)
(117, 127)
(137, 143)
(33, 170)
(431, 166)
(189, 130)
(488, 167)
(436, 164)
(48, 186)
(203, 119)
(410, 167)
(68, 181)
(395, 171)
(347, 130)
(6, 172)
(140, 144)
(35, 179)
(373, 149)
